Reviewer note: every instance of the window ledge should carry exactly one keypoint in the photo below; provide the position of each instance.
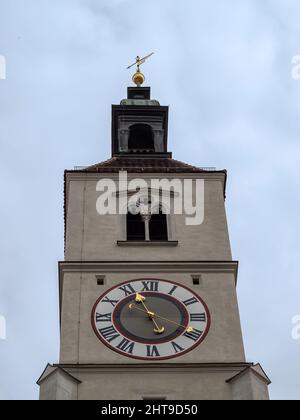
(147, 243)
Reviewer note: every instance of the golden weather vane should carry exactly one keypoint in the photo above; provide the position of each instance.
(138, 78)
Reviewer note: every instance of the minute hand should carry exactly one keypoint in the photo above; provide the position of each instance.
(153, 314)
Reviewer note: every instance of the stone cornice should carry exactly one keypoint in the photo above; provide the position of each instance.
(149, 367)
(148, 266)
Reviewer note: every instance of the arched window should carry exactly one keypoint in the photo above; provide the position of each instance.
(135, 227)
(141, 138)
(151, 228)
(158, 229)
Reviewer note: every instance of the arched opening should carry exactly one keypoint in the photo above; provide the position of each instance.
(141, 138)
(158, 228)
(135, 227)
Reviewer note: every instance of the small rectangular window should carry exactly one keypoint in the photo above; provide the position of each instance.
(197, 279)
(100, 280)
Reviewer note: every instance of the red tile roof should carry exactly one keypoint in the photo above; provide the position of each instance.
(131, 164)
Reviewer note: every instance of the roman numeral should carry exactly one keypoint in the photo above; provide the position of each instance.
(126, 346)
(103, 317)
(109, 333)
(152, 351)
(193, 335)
(127, 289)
(172, 291)
(190, 301)
(111, 301)
(198, 317)
(176, 347)
(150, 286)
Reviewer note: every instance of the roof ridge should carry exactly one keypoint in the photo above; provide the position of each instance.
(144, 165)
(187, 164)
(100, 163)
(138, 162)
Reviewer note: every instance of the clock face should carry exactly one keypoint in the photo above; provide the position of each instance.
(150, 319)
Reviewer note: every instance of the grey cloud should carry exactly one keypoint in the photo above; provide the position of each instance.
(225, 70)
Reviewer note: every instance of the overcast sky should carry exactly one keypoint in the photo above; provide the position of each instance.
(224, 67)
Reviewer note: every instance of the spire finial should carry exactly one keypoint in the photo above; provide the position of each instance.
(138, 78)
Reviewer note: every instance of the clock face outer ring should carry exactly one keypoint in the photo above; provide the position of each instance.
(208, 322)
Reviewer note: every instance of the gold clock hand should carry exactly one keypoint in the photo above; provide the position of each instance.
(157, 329)
(141, 299)
(189, 328)
(152, 314)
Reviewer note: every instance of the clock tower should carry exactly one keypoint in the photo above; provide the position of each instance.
(148, 304)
